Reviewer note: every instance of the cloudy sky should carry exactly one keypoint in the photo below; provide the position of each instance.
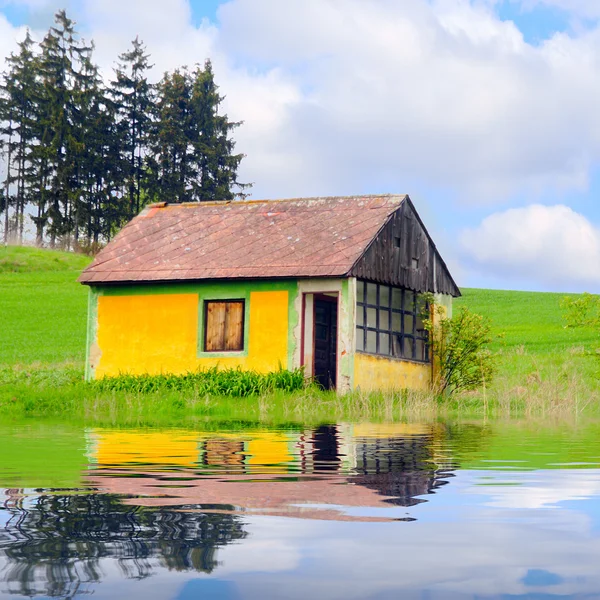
(487, 112)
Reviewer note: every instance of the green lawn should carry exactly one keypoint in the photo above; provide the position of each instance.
(42, 307)
(532, 320)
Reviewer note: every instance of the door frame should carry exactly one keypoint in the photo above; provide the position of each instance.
(332, 298)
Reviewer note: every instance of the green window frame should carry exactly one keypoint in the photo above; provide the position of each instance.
(222, 296)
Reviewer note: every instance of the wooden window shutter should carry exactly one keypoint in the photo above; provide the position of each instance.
(234, 326)
(224, 326)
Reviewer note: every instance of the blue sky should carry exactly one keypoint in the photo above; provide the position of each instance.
(484, 111)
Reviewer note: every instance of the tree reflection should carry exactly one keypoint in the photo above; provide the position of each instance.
(59, 542)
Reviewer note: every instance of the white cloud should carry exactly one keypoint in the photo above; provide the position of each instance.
(352, 96)
(545, 244)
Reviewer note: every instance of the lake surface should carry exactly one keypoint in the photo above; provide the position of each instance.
(347, 510)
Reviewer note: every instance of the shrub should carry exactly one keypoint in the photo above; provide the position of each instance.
(459, 348)
(583, 311)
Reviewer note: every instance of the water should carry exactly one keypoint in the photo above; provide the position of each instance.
(428, 511)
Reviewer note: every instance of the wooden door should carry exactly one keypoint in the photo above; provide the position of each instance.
(325, 345)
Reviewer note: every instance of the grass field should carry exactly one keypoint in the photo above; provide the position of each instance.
(542, 365)
(43, 310)
(530, 320)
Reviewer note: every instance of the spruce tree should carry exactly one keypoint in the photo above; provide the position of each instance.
(191, 154)
(132, 95)
(61, 54)
(20, 85)
(213, 147)
(169, 145)
(6, 147)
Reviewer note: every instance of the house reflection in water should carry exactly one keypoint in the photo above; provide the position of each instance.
(313, 473)
(169, 500)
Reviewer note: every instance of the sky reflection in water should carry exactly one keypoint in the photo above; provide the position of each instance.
(343, 511)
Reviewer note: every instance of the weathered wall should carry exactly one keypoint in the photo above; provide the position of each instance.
(159, 328)
(404, 255)
(380, 373)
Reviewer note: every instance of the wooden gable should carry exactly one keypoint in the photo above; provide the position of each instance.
(403, 254)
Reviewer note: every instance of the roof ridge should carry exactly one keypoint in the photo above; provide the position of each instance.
(386, 196)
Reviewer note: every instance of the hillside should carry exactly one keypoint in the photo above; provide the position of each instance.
(23, 259)
(42, 307)
(530, 321)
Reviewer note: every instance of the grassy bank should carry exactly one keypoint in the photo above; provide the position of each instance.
(50, 393)
(544, 368)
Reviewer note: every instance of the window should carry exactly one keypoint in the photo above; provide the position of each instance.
(388, 322)
(223, 325)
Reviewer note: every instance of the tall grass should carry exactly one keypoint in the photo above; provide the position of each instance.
(218, 382)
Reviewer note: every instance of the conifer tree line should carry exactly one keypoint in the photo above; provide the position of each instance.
(83, 155)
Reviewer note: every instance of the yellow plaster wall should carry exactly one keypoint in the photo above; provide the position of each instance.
(159, 334)
(378, 373)
(268, 346)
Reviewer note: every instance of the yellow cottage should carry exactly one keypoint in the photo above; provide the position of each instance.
(331, 284)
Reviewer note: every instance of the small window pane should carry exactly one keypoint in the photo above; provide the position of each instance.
(372, 294)
(408, 323)
(421, 311)
(408, 347)
(372, 317)
(384, 343)
(360, 338)
(409, 301)
(396, 345)
(371, 342)
(396, 322)
(397, 299)
(360, 316)
(384, 296)
(360, 291)
(420, 350)
(384, 320)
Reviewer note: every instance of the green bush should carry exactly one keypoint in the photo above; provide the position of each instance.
(582, 311)
(459, 348)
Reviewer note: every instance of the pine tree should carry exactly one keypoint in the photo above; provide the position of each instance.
(20, 86)
(191, 152)
(132, 95)
(168, 160)
(6, 147)
(213, 146)
(61, 53)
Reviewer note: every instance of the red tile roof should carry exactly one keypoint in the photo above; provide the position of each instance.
(306, 237)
